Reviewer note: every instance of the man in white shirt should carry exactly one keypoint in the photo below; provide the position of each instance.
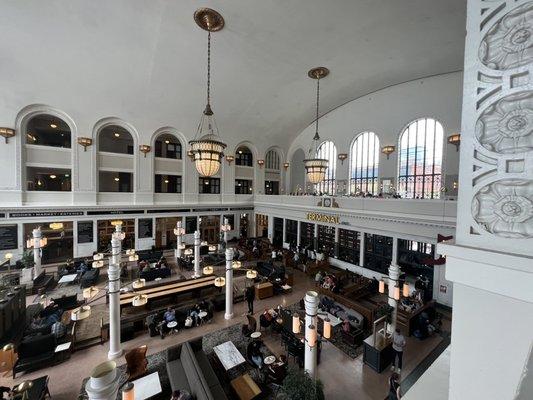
(398, 343)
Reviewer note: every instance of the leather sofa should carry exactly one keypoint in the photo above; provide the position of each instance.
(188, 368)
(155, 273)
(66, 302)
(35, 352)
(90, 278)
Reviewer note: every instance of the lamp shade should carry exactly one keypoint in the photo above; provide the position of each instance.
(90, 292)
(295, 323)
(310, 335)
(8, 256)
(396, 292)
(251, 274)
(128, 391)
(327, 328)
(56, 225)
(80, 313)
(236, 264)
(208, 270)
(212, 248)
(315, 169)
(179, 231)
(139, 300)
(220, 281)
(381, 286)
(207, 153)
(98, 256)
(405, 289)
(138, 283)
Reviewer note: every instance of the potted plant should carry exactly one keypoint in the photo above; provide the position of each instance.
(298, 385)
(27, 258)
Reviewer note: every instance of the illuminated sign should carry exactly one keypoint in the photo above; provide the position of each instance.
(330, 219)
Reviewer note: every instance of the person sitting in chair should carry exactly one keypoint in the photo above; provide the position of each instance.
(254, 352)
(170, 315)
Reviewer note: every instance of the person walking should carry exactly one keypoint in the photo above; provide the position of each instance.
(398, 344)
(250, 297)
(394, 387)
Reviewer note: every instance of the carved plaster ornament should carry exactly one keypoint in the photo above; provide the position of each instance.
(505, 208)
(506, 127)
(509, 42)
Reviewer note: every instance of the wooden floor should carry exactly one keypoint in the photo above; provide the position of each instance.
(343, 377)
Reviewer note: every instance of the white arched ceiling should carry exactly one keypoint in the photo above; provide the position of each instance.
(146, 63)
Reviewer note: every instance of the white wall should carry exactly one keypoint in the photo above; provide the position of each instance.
(387, 112)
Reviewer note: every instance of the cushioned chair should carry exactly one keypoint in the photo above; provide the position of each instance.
(90, 278)
(136, 362)
(251, 327)
(35, 352)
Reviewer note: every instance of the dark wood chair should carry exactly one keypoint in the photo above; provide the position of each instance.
(136, 362)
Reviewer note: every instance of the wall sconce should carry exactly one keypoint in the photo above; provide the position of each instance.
(144, 148)
(342, 157)
(85, 142)
(388, 150)
(230, 159)
(7, 133)
(286, 166)
(260, 163)
(455, 139)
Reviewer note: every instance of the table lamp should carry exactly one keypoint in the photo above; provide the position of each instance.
(23, 388)
(128, 392)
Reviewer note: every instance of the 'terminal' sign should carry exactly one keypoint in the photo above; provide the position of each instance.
(330, 219)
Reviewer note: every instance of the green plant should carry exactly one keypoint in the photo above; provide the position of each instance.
(385, 309)
(27, 258)
(298, 385)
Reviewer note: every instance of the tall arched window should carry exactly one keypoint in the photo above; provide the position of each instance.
(420, 159)
(328, 151)
(364, 163)
(272, 172)
(272, 160)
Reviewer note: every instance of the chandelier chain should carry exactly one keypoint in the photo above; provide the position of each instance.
(317, 108)
(208, 67)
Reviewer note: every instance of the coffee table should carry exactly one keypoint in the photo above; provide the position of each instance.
(66, 279)
(229, 355)
(245, 387)
(147, 386)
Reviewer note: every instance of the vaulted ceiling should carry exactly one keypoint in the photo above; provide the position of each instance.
(144, 60)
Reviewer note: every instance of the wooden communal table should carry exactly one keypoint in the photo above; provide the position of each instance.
(153, 292)
(245, 387)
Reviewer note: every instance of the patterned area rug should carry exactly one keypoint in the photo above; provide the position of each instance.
(336, 338)
(157, 362)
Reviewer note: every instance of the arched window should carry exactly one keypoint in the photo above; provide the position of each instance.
(54, 134)
(272, 160)
(115, 172)
(47, 130)
(420, 159)
(364, 163)
(168, 146)
(328, 151)
(272, 172)
(244, 157)
(115, 139)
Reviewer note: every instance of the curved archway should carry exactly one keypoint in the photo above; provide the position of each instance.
(364, 163)
(272, 172)
(168, 166)
(115, 144)
(246, 175)
(420, 159)
(44, 151)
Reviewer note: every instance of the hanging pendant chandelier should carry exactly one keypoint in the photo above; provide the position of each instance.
(315, 167)
(207, 148)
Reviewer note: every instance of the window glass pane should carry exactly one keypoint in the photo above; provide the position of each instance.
(420, 159)
(364, 163)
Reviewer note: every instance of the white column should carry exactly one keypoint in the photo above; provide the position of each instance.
(270, 228)
(226, 231)
(336, 244)
(197, 272)
(394, 275)
(361, 249)
(229, 283)
(311, 301)
(37, 268)
(113, 274)
(179, 237)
